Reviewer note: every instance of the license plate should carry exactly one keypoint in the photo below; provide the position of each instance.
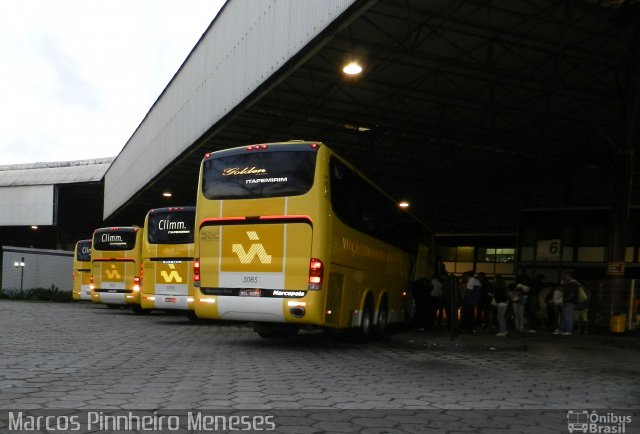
(112, 290)
(170, 299)
(249, 293)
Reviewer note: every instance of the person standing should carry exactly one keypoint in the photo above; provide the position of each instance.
(532, 304)
(517, 304)
(502, 301)
(470, 302)
(434, 302)
(484, 306)
(450, 300)
(556, 303)
(581, 317)
(570, 288)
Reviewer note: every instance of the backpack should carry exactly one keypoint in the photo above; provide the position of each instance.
(583, 294)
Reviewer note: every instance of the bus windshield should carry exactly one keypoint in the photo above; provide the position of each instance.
(83, 253)
(258, 175)
(122, 239)
(171, 226)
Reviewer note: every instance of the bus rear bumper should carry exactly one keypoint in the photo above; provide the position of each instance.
(110, 297)
(235, 308)
(85, 292)
(251, 309)
(160, 301)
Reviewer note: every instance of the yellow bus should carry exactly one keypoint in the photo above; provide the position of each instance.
(167, 259)
(82, 271)
(290, 236)
(115, 267)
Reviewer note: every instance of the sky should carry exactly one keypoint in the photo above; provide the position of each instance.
(78, 76)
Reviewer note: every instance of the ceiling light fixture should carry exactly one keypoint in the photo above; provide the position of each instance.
(352, 68)
(403, 204)
(166, 194)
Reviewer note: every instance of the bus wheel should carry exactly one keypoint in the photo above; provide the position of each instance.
(138, 310)
(275, 332)
(268, 335)
(192, 317)
(383, 320)
(364, 331)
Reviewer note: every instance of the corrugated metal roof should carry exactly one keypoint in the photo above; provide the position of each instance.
(60, 172)
(246, 44)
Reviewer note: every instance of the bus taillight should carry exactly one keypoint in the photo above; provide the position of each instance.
(316, 271)
(196, 270)
(136, 284)
(91, 285)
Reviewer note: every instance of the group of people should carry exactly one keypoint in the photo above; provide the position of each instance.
(485, 303)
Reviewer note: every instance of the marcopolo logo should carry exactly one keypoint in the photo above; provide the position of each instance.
(583, 421)
(280, 293)
(173, 275)
(256, 249)
(113, 273)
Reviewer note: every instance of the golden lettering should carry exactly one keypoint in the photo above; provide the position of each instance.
(246, 171)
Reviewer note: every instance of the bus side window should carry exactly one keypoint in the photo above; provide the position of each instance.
(351, 213)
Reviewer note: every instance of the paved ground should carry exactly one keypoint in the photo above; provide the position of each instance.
(82, 358)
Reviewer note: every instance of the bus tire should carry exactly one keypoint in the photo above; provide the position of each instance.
(193, 317)
(138, 310)
(267, 332)
(365, 329)
(277, 334)
(268, 335)
(382, 322)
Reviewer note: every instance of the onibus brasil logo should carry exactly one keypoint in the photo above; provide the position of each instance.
(584, 421)
(256, 249)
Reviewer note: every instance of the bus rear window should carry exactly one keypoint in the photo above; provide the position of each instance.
(114, 240)
(258, 175)
(83, 253)
(170, 227)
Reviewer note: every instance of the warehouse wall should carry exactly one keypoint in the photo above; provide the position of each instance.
(42, 269)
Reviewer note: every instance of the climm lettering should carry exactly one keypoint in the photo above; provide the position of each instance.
(106, 238)
(246, 171)
(165, 225)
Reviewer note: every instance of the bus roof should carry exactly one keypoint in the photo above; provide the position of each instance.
(294, 145)
(117, 228)
(172, 209)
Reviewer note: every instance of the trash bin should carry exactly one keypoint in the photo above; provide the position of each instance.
(618, 323)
